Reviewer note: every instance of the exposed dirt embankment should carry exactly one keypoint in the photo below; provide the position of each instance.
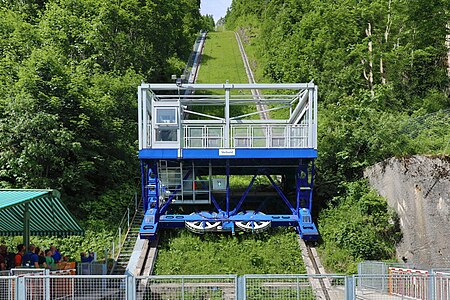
(418, 188)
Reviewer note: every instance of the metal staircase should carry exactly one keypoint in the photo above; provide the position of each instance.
(128, 245)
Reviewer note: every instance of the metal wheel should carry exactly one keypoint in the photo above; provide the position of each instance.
(202, 226)
(252, 225)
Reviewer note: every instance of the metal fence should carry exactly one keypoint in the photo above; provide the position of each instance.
(92, 268)
(32, 286)
(7, 287)
(186, 287)
(71, 287)
(296, 287)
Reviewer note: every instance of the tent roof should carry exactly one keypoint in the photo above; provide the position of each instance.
(47, 213)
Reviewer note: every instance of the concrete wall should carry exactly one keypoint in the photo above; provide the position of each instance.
(418, 189)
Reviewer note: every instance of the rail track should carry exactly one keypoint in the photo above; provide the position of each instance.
(321, 284)
(261, 107)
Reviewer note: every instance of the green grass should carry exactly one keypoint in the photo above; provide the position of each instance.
(221, 60)
(272, 252)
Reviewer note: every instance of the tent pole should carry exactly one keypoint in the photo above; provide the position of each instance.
(26, 226)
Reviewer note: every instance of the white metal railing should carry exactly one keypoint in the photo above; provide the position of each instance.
(269, 136)
(246, 136)
(203, 137)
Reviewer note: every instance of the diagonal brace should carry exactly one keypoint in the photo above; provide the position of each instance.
(275, 186)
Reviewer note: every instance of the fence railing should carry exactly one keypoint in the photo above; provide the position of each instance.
(246, 136)
(124, 227)
(435, 286)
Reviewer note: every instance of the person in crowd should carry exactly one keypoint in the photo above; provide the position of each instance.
(56, 254)
(85, 258)
(49, 260)
(30, 259)
(19, 255)
(41, 257)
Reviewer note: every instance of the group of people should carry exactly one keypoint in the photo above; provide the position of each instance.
(33, 258)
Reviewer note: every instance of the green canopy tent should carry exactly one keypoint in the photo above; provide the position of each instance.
(35, 212)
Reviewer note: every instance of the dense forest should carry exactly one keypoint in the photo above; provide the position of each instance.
(381, 68)
(69, 71)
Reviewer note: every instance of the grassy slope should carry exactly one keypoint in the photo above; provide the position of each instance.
(221, 60)
(272, 252)
(181, 252)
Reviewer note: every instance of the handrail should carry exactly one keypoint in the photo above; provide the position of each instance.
(124, 227)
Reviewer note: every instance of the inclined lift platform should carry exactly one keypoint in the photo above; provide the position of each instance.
(196, 138)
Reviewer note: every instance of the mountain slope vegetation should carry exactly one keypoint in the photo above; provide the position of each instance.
(381, 68)
(68, 77)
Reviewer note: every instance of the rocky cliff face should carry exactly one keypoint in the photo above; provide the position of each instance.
(418, 189)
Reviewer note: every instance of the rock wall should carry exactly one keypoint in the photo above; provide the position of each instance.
(418, 189)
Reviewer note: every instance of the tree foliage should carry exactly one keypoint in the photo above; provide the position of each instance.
(68, 77)
(381, 68)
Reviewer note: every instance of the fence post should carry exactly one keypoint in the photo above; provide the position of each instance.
(47, 285)
(350, 288)
(119, 245)
(128, 217)
(130, 287)
(20, 288)
(182, 288)
(431, 286)
(240, 288)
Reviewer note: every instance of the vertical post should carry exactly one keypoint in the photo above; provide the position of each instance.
(431, 286)
(194, 185)
(297, 187)
(228, 187)
(113, 250)
(310, 117)
(210, 181)
(119, 245)
(47, 285)
(144, 120)
(227, 118)
(350, 288)
(140, 129)
(143, 184)
(20, 288)
(240, 287)
(26, 226)
(130, 287)
(315, 116)
(128, 217)
(182, 288)
(311, 185)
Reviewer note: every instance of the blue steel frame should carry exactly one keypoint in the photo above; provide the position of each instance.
(300, 161)
(156, 216)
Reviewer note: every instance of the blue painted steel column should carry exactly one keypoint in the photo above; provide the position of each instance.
(297, 187)
(143, 190)
(312, 185)
(228, 188)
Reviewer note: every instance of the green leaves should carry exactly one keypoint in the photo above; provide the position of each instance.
(68, 77)
(358, 225)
